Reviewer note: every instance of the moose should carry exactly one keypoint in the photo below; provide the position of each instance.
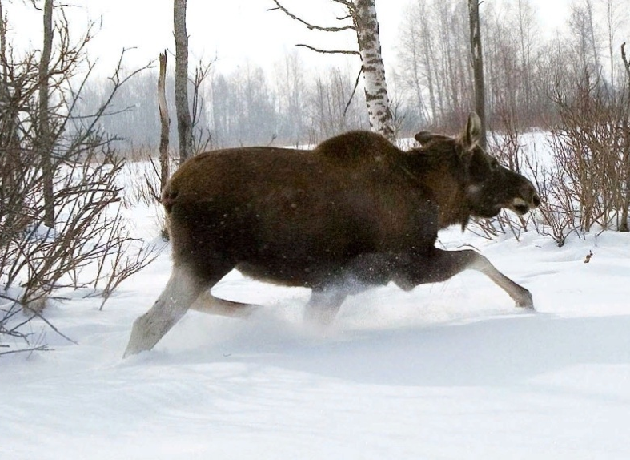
(354, 212)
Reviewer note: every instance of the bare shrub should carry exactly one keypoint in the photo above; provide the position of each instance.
(584, 183)
(557, 212)
(588, 149)
(145, 179)
(37, 257)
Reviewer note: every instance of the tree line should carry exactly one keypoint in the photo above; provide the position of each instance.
(526, 67)
(245, 106)
(431, 81)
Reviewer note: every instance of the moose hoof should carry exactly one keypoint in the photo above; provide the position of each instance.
(525, 301)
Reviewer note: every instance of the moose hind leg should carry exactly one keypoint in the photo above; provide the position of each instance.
(207, 303)
(180, 292)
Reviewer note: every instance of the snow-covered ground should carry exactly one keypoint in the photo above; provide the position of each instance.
(447, 371)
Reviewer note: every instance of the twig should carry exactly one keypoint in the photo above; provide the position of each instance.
(26, 350)
(50, 325)
(318, 50)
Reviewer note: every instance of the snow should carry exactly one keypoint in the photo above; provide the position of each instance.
(447, 371)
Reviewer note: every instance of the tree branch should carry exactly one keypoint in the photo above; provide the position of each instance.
(27, 350)
(626, 65)
(312, 48)
(354, 91)
(308, 24)
(349, 5)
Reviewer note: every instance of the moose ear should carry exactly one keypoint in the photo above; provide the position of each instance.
(472, 132)
(424, 137)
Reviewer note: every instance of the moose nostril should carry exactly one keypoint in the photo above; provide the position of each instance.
(536, 200)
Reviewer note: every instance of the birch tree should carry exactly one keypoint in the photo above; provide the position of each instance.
(184, 122)
(364, 22)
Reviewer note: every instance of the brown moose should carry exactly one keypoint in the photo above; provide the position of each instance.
(355, 211)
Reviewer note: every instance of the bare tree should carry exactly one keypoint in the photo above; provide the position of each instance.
(184, 122)
(611, 19)
(615, 18)
(477, 63)
(362, 14)
(289, 76)
(625, 127)
(3, 48)
(200, 134)
(328, 113)
(584, 32)
(165, 122)
(44, 141)
(434, 57)
(526, 31)
(416, 58)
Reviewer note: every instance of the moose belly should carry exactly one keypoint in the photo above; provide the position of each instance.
(291, 273)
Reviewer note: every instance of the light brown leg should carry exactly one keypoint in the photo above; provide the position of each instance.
(323, 306)
(207, 303)
(519, 294)
(180, 292)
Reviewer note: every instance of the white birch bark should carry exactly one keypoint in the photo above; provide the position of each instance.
(373, 68)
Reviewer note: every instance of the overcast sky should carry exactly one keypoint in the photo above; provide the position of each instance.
(232, 30)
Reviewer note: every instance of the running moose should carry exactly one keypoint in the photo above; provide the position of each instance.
(355, 211)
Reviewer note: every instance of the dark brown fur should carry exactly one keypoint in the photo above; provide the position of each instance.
(355, 210)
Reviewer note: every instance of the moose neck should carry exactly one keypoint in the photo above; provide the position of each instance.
(439, 174)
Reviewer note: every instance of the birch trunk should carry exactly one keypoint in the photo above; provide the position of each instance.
(477, 61)
(184, 123)
(375, 85)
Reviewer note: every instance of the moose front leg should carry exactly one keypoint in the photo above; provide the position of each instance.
(323, 305)
(440, 265)
(519, 294)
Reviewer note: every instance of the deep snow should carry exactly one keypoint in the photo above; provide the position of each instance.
(447, 371)
(450, 370)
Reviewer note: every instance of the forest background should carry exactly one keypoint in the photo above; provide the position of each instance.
(259, 88)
